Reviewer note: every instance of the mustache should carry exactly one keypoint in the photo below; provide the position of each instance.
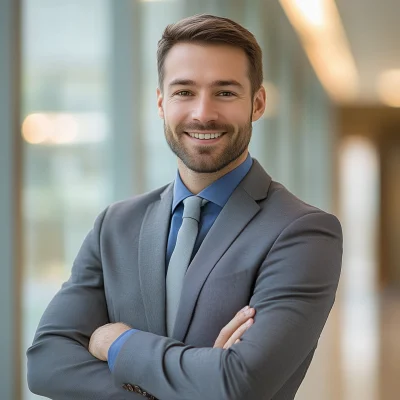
(211, 126)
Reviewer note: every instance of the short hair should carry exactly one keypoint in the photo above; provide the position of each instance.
(211, 29)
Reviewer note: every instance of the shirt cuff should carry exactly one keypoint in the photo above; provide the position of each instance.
(115, 348)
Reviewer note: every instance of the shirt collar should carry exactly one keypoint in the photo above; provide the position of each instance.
(219, 191)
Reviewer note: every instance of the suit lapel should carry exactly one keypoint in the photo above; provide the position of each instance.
(237, 213)
(152, 249)
(240, 209)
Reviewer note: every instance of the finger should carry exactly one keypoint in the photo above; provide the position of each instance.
(228, 329)
(242, 310)
(240, 318)
(238, 333)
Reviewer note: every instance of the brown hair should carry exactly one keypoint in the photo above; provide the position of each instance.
(211, 29)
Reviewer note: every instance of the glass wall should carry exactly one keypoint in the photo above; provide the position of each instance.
(92, 134)
(66, 130)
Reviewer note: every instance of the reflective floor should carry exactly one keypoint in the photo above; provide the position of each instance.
(358, 364)
(389, 368)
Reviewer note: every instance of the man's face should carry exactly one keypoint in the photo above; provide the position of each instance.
(207, 105)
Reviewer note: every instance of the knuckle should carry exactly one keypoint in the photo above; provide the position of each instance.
(240, 318)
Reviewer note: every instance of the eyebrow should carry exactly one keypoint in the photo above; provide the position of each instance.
(217, 83)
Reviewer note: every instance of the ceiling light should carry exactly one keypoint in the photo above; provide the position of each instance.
(36, 128)
(389, 87)
(313, 11)
(319, 27)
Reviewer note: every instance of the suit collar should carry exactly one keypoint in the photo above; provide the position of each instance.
(257, 182)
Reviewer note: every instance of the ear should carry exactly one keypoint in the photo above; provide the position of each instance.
(160, 99)
(259, 104)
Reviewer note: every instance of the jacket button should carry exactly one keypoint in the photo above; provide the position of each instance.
(137, 389)
(128, 387)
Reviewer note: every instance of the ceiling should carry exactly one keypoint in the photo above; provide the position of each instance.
(373, 32)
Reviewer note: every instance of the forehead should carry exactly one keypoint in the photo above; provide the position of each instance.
(206, 63)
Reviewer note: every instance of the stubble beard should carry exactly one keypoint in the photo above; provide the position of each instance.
(205, 159)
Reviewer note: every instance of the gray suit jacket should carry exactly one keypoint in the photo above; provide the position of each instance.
(267, 248)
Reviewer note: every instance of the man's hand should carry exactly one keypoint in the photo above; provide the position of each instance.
(232, 332)
(103, 337)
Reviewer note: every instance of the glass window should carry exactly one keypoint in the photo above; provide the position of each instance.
(65, 95)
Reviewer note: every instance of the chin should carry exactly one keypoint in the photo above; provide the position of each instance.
(201, 169)
(204, 165)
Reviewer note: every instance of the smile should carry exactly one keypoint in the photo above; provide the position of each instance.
(205, 136)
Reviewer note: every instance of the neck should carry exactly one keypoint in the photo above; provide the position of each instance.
(196, 181)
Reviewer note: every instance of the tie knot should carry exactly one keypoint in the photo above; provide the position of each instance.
(192, 206)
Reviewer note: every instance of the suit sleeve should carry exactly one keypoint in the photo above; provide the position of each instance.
(59, 364)
(293, 295)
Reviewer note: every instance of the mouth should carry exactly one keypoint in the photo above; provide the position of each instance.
(205, 136)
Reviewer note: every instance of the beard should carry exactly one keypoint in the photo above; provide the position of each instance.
(209, 159)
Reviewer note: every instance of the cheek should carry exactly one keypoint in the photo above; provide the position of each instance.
(237, 114)
(174, 115)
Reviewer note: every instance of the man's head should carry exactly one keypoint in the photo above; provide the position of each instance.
(210, 83)
(209, 29)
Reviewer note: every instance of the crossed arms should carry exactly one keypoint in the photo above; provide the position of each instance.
(293, 295)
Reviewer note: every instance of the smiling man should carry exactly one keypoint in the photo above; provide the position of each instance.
(208, 108)
(151, 307)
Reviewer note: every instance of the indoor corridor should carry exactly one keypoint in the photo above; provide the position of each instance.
(80, 130)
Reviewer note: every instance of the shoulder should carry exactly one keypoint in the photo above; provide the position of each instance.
(279, 207)
(284, 202)
(134, 207)
(290, 211)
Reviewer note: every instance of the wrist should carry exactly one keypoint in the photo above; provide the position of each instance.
(112, 337)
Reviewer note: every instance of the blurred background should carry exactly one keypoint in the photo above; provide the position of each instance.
(79, 130)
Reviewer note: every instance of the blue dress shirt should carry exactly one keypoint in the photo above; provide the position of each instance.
(217, 195)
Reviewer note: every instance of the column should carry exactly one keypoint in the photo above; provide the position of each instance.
(9, 200)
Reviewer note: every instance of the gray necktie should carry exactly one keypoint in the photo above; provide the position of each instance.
(181, 256)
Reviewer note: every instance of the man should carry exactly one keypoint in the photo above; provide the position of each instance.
(176, 264)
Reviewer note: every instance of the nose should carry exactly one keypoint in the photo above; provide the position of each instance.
(204, 110)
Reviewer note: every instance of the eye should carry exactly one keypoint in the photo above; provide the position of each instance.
(226, 94)
(183, 93)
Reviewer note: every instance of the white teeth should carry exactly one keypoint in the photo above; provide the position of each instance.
(205, 136)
